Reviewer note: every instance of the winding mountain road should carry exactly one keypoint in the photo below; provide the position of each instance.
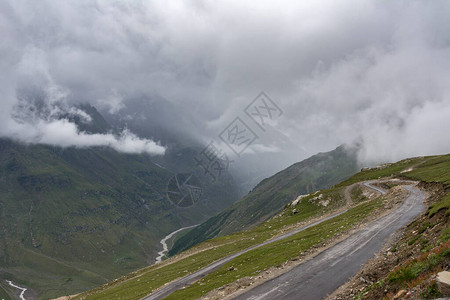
(191, 278)
(324, 273)
(333, 267)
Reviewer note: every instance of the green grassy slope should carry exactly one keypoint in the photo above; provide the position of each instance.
(270, 195)
(138, 284)
(275, 254)
(433, 169)
(72, 219)
(3, 294)
(426, 169)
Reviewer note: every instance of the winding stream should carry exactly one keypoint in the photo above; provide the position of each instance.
(164, 244)
(22, 294)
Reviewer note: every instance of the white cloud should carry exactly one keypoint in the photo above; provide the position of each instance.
(66, 134)
(346, 70)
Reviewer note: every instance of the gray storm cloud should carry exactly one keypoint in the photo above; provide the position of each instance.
(376, 72)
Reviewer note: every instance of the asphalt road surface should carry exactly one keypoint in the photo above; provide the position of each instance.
(328, 270)
(189, 279)
(323, 274)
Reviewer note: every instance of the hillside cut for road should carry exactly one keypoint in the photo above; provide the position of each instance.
(330, 269)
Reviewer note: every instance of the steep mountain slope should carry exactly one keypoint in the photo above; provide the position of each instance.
(270, 195)
(426, 235)
(75, 218)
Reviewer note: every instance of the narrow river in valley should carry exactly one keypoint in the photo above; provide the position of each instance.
(164, 243)
(22, 294)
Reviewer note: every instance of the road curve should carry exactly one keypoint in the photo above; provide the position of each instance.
(320, 276)
(189, 279)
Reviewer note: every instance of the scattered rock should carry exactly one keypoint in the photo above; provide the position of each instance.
(400, 294)
(443, 281)
(245, 281)
(298, 199)
(363, 280)
(325, 202)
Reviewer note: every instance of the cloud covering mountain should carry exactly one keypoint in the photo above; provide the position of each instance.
(372, 72)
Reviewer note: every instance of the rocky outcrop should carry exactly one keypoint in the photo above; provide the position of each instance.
(443, 281)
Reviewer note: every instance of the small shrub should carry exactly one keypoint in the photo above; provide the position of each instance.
(432, 291)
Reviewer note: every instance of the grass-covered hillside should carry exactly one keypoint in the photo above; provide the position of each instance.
(432, 170)
(270, 195)
(72, 219)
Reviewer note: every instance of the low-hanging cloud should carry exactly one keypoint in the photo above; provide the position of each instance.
(375, 72)
(37, 113)
(66, 134)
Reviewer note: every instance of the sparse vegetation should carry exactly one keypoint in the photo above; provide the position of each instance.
(432, 291)
(443, 204)
(357, 194)
(426, 263)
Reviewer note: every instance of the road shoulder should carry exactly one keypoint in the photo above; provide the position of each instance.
(392, 200)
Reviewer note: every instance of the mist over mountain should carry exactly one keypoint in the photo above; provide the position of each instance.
(75, 217)
(124, 121)
(375, 73)
(270, 195)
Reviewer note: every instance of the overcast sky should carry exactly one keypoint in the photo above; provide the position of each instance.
(377, 72)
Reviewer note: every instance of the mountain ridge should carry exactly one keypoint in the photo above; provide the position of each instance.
(271, 194)
(73, 218)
